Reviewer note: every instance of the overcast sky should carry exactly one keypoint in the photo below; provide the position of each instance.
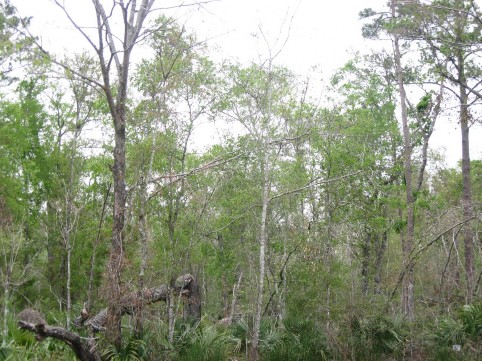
(319, 33)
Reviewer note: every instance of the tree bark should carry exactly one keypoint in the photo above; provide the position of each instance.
(466, 181)
(381, 245)
(185, 285)
(192, 296)
(82, 349)
(6, 305)
(94, 249)
(460, 23)
(407, 244)
(133, 18)
(262, 254)
(365, 249)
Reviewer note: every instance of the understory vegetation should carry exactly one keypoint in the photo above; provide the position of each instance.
(376, 337)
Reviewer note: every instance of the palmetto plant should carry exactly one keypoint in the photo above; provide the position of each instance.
(471, 317)
(294, 340)
(198, 342)
(464, 330)
(375, 336)
(132, 351)
(449, 332)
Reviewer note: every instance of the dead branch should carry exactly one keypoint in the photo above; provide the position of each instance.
(314, 182)
(32, 320)
(413, 257)
(85, 348)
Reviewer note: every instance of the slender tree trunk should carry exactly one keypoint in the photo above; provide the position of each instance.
(170, 315)
(52, 247)
(283, 284)
(113, 331)
(262, 255)
(67, 286)
(234, 298)
(70, 219)
(224, 295)
(408, 280)
(381, 246)
(94, 250)
(6, 305)
(466, 182)
(460, 21)
(224, 283)
(366, 263)
(144, 236)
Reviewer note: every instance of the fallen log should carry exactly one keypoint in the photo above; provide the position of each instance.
(85, 348)
(32, 320)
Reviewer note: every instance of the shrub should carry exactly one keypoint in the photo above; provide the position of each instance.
(465, 330)
(294, 340)
(373, 337)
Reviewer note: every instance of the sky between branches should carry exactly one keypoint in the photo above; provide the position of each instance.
(321, 36)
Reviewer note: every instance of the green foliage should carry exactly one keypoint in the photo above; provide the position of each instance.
(206, 343)
(372, 338)
(15, 47)
(449, 332)
(471, 318)
(294, 340)
(464, 330)
(22, 346)
(195, 342)
(133, 350)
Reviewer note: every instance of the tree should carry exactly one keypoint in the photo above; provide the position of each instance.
(451, 31)
(177, 86)
(368, 123)
(371, 30)
(14, 47)
(255, 98)
(394, 23)
(112, 50)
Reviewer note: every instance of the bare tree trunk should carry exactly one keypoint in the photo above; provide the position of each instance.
(408, 280)
(82, 349)
(143, 231)
(170, 315)
(69, 218)
(224, 295)
(133, 19)
(466, 181)
(6, 305)
(94, 250)
(234, 299)
(68, 283)
(263, 237)
(144, 235)
(262, 254)
(381, 246)
(366, 262)
(224, 283)
(192, 304)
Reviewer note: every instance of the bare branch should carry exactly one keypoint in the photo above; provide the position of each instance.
(99, 9)
(414, 255)
(314, 182)
(77, 27)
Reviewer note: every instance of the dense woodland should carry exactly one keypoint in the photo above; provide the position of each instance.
(318, 228)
